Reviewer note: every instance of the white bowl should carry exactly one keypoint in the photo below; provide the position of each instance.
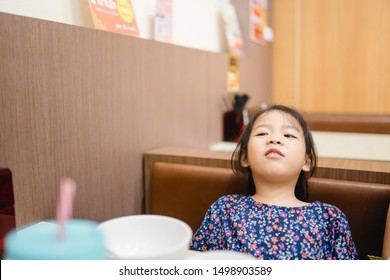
(146, 237)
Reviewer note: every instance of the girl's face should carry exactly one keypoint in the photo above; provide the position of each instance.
(276, 148)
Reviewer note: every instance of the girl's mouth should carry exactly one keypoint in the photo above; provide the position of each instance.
(274, 153)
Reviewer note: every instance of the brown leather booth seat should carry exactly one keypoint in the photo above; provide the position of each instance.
(186, 191)
(364, 204)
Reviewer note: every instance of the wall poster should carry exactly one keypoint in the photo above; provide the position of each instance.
(258, 20)
(233, 76)
(114, 16)
(163, 21)
(232, 29)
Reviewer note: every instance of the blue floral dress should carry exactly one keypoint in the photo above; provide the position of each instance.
(239, 223)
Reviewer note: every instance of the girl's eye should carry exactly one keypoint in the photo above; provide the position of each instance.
(261, 134)
(289, 136)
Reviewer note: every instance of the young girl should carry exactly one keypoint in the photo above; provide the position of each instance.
(277, 151)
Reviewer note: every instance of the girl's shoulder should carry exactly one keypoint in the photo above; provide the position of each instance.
(329, 211)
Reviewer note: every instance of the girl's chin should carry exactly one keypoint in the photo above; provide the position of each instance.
(275, 175)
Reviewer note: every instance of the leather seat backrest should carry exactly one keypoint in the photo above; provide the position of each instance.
(186, 191)
(364, 204)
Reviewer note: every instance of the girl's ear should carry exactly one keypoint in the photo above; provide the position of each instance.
(244, 162)
(306, 164)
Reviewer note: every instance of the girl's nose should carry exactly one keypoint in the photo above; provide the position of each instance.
(274, 141)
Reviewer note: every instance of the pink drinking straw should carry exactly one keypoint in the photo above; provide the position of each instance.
(65, 205)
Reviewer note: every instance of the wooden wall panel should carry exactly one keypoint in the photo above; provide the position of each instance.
(343, 59)
(84, 103)
(284, 58)
(345, 56)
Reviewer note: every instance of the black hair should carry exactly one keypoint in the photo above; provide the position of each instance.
(241, 150)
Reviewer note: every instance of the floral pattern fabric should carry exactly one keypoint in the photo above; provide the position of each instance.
(239, 223)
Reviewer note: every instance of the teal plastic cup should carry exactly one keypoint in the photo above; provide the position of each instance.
(82, 241)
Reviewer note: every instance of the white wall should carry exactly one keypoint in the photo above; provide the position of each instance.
(195, 22)
(74, 12)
